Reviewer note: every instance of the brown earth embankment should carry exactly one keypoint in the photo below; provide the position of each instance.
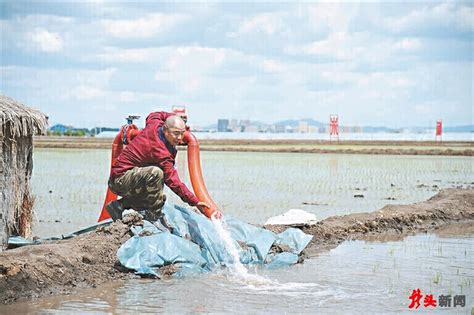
(458, 148)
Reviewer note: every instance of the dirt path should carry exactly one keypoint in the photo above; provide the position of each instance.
(457, 148)
(90, 260)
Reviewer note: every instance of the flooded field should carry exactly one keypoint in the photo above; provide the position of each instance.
(374, 277)
(70, 185)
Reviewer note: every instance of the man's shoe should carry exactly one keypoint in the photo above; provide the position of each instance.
(152, 215)
(115, 210)
(162, 203)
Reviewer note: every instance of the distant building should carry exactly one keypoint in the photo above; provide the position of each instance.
(223, 125)
(280, 128)
(59, 128)
(303, 127)
(251, 128)
(234, 125)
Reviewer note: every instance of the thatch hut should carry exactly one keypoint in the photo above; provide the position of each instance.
(18, 124)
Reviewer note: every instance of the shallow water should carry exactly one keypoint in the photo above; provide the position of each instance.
(70, 185)
(357, 276)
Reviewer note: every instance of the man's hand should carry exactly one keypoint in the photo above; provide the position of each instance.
(201, 205)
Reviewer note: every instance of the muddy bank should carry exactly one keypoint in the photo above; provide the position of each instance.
(455, 148)
(90, 260)
(61, 267)
(392, 221)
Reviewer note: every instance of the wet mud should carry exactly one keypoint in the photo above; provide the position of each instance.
(90, 260)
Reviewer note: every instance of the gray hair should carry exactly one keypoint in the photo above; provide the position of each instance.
(175, 122)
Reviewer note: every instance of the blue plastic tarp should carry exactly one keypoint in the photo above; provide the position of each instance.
(193, 244)
(18, 241)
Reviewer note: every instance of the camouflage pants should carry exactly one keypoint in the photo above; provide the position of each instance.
(141, 189)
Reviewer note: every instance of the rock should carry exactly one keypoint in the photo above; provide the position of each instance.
(87, 260)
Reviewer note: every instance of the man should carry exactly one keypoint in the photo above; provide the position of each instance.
(145, 164)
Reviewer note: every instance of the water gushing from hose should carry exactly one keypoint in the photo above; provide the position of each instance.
(236, 268)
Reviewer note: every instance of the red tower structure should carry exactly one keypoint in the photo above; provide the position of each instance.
(333, 127)
(439, 130)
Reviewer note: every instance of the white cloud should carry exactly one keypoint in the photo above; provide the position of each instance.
(36, 32)
(358, 47)
(333, 16)
(38, 20)
(132, 55)
(179, 58)
(196, 59)
(188, 67)
(84, 92)
(393, 81)
(337, 45)
(266, 23)
(408, 44)
(272, 66)
(45, 41)
(143, 27)
(447, 15)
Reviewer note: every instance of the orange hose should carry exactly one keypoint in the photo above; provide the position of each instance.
(195, 173)
(131, 132)
(117, 147)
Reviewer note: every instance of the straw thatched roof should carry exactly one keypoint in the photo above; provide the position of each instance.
(20, 119)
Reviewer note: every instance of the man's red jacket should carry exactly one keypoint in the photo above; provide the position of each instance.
(151, 148)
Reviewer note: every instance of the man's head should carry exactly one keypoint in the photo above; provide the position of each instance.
(174, 129)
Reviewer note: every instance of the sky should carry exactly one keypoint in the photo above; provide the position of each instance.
(396, 64)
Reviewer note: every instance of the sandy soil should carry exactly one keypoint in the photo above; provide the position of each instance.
(464, 148)
(90, 260)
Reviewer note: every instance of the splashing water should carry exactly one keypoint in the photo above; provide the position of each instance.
(255, 282)
(236, 268)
